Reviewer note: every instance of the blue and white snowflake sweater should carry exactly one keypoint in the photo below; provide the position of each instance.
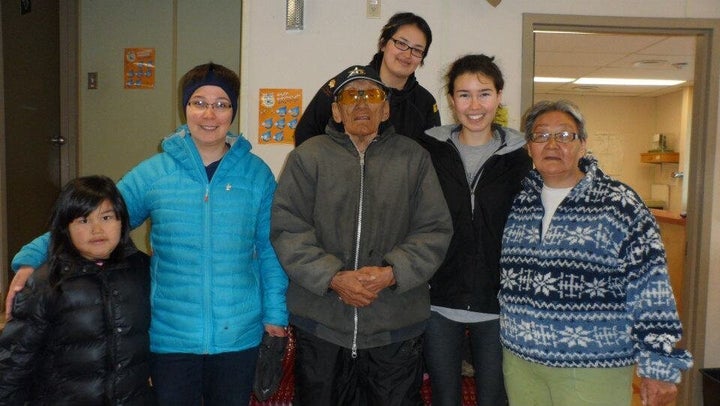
(594, 292)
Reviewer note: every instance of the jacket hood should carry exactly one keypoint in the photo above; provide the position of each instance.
(512, 140)
(588, 164)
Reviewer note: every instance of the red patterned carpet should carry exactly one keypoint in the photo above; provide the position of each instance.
(284, 395)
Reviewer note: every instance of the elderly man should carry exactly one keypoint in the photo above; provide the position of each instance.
(360, 224)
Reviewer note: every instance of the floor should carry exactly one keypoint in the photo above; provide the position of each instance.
(284, 395)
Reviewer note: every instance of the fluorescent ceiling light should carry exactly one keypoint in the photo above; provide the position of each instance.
(540, 79)
(628, 82)
(542, 31)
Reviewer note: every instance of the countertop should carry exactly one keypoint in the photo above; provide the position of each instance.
(665, 216)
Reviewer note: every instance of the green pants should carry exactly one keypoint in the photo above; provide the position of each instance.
(532, 384)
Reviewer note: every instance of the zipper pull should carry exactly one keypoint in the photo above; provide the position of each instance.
(207, 192)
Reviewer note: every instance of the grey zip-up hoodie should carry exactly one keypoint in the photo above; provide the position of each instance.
(317, 220)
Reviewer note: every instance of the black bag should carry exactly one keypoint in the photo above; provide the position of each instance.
(269, 369)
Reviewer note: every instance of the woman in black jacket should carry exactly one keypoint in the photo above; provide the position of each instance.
(79, 329)
(480, 165)
(402, 47)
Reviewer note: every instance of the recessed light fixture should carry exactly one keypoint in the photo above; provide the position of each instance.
(627, 82)
(541, 31)
(647, 63)
(585, 88)
(541, 79)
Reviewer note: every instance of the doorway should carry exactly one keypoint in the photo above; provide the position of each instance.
(38, 57)
(701, 154)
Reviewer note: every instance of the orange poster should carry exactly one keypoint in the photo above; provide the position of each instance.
(139, 68)
(279, 115)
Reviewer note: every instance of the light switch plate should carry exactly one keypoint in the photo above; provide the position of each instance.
(92, 80)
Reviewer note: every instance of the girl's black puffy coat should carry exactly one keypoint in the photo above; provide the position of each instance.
(82, 341)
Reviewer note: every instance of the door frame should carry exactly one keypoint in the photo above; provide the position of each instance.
(702, 152)
(3, 185)
(69, 87)
(68, 47)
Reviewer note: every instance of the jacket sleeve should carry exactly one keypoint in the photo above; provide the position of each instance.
(416, 259)
(315, 117)
(656, 326)
(21, 342)
(432, 115)
(32, 254)
(293, 231)
(274, 280)
(133, 187)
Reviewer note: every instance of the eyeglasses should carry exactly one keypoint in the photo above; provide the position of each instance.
(202, 105)
(562, 137)
(353, 96)
(403, 46)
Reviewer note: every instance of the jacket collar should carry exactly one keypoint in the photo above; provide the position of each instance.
(587, 164)
(344, 140)
(510, 139)
(180, 146)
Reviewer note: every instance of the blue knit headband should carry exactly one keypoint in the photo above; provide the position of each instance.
(211, 79)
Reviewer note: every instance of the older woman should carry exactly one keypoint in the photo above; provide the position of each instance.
(585, 294)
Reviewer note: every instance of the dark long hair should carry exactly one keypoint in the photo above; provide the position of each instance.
(400, 20)
(79, 198)
(474, 64)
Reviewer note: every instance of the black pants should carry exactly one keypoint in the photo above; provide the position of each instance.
(327, 375)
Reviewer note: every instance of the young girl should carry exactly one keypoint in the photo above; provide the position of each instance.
(79, 330)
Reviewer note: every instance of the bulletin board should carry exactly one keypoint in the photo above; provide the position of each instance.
(139, 69)
(279, 112)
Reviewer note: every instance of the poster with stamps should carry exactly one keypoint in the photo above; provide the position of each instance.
(279, 112)
(139, 68)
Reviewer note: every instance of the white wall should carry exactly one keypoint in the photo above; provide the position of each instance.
(120, 127)
(338, 34)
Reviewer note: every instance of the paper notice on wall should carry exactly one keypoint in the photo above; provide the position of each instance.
(279, 112)
(139, 69)
(607, 148)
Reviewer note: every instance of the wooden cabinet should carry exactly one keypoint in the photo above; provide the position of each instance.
(659, 157)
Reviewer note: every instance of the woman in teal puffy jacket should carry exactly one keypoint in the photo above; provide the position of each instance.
(216, 281)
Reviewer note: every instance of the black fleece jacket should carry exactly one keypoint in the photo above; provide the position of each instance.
(469, 277)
